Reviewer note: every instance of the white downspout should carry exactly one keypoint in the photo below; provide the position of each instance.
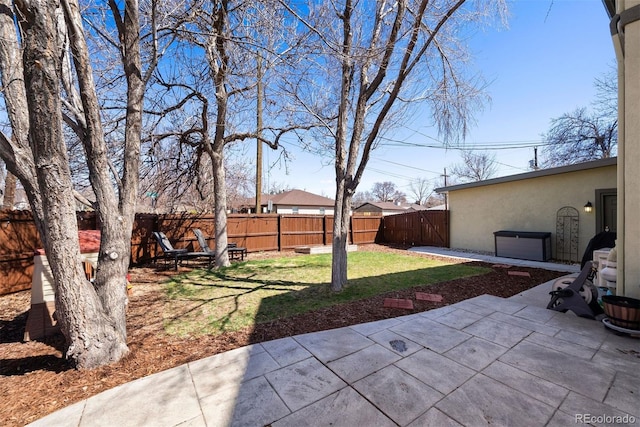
(625, 30)
(618, 48)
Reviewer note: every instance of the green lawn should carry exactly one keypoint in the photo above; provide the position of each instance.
(211, 302)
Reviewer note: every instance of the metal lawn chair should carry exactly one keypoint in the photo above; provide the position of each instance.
(232, 248)
(178, 254)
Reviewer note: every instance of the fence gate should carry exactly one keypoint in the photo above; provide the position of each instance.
(419, 228)
(567, 232)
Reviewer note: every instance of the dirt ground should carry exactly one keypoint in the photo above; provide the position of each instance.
(36, 380)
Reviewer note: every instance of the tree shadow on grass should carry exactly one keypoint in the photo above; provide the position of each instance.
(296, 297)
(224, 321)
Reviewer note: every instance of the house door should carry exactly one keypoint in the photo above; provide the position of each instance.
(606, 210)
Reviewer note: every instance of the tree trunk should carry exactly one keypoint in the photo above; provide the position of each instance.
(91, 335)
(16, 152)
(9, 191)
(341, 219)
(116, 214)
(220, 206)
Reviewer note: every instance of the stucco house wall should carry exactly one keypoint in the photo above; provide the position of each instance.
(526, 202)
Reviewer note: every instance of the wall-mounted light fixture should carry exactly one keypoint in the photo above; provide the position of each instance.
(588, 208)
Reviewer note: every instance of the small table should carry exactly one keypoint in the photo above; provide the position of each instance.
(235, 252)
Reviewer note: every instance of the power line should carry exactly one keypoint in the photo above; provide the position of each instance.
(406, 166)
(475, 146)
(442, 145)
(495, 145)
(390, 174)
(503, 145)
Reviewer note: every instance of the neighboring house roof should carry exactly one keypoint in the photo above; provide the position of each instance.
(383, 206)
(535, 174)
(438, 208)
(391, 207)
(296, 198)
(415, 207)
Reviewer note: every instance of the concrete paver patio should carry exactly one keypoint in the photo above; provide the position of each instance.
(483, 361)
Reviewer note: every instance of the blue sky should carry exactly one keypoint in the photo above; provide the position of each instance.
(540, 67)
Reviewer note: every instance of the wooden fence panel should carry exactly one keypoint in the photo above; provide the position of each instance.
(263, 232)
(419, 228)
(328, 229)
(366, 229)
(18, 240)
(178, 228)
(301, 230)
(254, 232)
(434, 228)
(143, 245)
(393, 227)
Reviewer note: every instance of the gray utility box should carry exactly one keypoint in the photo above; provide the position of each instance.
(534, 246)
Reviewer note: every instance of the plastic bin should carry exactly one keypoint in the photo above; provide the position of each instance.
(529, 245)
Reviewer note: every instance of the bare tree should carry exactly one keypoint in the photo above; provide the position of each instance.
(584, 134)
(421, 189)
(239, 178)
(214, 94)
(435, 200)
(361, 197)
(475, 167)
(370, 62)
(606, 100)
(49, 80)
(387, 192)
(579, 137)
(278, 187)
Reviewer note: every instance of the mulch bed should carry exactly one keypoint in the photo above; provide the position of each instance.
(35, 379)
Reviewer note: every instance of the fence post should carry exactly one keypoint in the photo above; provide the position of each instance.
(279, 232)
(324, 230)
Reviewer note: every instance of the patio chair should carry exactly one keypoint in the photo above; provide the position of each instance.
(232, 248)
(202, 241)
(178, 254)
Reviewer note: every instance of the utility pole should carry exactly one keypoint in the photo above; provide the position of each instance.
(260, 91)
(446, 204)
(533, 164)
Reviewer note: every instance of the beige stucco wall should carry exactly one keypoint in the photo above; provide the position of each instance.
(628, 153)
(525, 205)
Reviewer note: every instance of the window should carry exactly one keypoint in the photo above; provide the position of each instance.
(321, 211)
(294, 209)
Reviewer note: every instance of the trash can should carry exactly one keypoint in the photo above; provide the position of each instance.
(529, 245)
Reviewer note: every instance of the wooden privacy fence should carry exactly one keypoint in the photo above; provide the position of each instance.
(269, 232)
(418, 228)
(19, 237)
(18, 240)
